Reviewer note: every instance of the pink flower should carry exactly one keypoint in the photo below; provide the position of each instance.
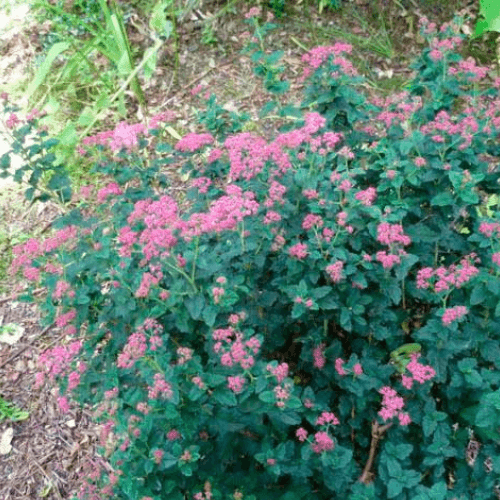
(253, 12)
(420, 161)
(327, 418)
(367, 197)
(312, 220)
(280, 372)
(339, 366)
(319, 357)
(63, 404)
(73, 380)
(404, 419)
(322, 442)
(420, 372)
(160, 388)
(391, 233)
(496, 258)
(217, 293)
(391, 403)
(236, 383)
(12, 120)
(453, 313)
(387, 260)
(357, 369)
(301, 434)
(173, 435)
(158, 456)
(193, 142)
(334, 271)
(111, 189)
(299, 251)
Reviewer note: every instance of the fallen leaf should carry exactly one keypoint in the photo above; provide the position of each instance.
(11, 333)
(5, 440)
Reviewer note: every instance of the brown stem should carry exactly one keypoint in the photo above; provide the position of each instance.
(377, 434)
(16, 295)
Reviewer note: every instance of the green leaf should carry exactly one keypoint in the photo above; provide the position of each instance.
(195, 306)
(490, 17)
(55, 51)
(158, 21)
(267, 397)
(225, 397)
(394, 488)
(209, 315)
(442, 199)
(478, 294)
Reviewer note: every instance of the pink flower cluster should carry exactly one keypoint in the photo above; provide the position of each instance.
(445, 125)
(367, 197)
(489, 229)
(318, 55)
(134, 349)
(322, 442)
(299, 251)
(327, 418)
(334, 271)
(236, 383)
(56, 361)
(202, 183)
(392, 404)
(147, 280)
(312, 221)
(388, 234)
(280, 371)
(419, 372)
(123, 136)
(391, 235)
(443, 278)
(319, 356)
(233, 349)
(282, 394)
(26, 252)
(339, 367)
(470, 70)
(453, 313)
(193, 142)
(160, 387)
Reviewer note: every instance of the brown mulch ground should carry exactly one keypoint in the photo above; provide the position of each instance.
(49, 449)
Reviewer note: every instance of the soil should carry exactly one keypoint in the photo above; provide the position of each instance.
(50, 451)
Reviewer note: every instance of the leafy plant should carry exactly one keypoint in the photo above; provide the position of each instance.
(8, 411)
(489, 17)
(317, 319)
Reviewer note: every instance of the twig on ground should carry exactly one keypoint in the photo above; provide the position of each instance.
(192, 82)
(29, 344)
(16, 295)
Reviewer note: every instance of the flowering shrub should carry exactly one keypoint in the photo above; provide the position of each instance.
(239, 345)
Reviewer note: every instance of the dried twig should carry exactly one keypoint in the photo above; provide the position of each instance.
(378, 432)
(29, 344)
(16, 295)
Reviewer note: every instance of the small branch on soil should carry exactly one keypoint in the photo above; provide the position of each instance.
(29, 344)
(192, 82)
(377, 434)
(16, 295)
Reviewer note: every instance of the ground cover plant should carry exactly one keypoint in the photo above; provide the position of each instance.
(319, 320)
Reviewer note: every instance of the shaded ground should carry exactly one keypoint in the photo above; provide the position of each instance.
(50, 450)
